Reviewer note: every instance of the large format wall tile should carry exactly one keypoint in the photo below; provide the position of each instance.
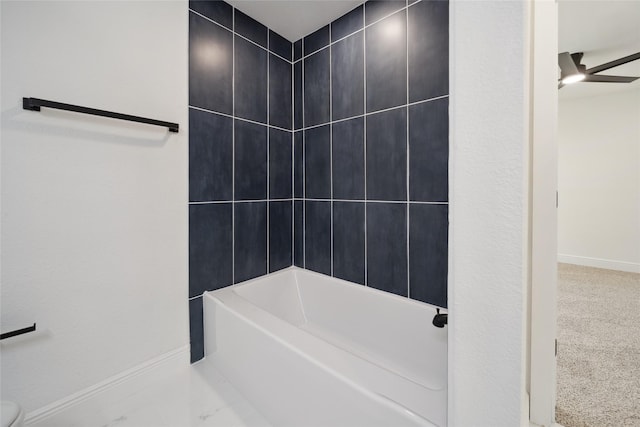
(429, 151)
(250, 235)
(210, 65)
(316, 40)
(196, 329)
(348, 241)
(348, 23)
(210, 243)
(280, 110)
(248, 27)
(386, 63)
(280, 167)
(298, 165)
(387, 155)
(428, 50)
(428, 260)
(387, 247)
(280, 46)
(317, 218)
(218, 11)
(347, 77)
(377, 9)
(317, 166)
(298, 233)
(348, 159)
(280, 229)
(316, 89)
(250, 161)
(297, 96)
(210, 156)
(250, 81)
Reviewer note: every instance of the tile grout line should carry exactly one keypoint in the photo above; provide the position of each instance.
(304, 171)
(364, 141)
(268, 153)
(321, 124)
(408, 217)
(240, 35)
(331, 150)
(221, 202)
(233, 148)
(293, 160)
(355, 32)
(298, 199)
(384, 110)
(239, 118)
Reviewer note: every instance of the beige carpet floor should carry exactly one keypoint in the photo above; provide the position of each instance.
(598, 347)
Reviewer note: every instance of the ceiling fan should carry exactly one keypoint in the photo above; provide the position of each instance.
(571, 70)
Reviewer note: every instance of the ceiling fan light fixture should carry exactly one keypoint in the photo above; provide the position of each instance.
(573, 78)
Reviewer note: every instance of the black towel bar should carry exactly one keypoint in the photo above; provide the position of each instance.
(18, 332)
(34, 104)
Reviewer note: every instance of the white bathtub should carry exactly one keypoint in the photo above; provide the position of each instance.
(309, 350)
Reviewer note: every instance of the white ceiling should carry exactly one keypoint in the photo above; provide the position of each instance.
(604, 30)
(294, 19)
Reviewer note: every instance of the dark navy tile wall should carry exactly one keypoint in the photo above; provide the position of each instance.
(210, 247)
(372, 149)
(280, 108)
(250, 81)
(377, 9)
(280, 231)
(196, 330)
(428, 232)
(428, 50)
(210, 80)
(330, 153)
(348, 241)
(347, 77)
(387, 155)
(240, 153)
(348, 23)
(317, 166)
(386, 67)
(250, 240)
(429, 148)
(317, 246)
(280, 166)
(210, 156)
(387, 247)
(348, 159)
(316, 97)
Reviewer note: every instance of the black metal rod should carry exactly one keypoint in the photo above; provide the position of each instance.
(18, 332)
(34, 104)
(612, 64)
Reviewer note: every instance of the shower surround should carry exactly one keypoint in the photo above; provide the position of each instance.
(330, 153)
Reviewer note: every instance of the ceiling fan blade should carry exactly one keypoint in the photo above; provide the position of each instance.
(567, 66)
(612, 64)
(609, 79)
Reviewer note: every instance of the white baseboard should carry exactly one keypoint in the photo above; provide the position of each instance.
(177, 357)
(609, 264)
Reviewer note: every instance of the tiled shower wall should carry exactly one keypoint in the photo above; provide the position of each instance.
(371, 148)
(240, 153)
(366, 177)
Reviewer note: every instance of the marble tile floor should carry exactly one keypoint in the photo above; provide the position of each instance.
(174, 396)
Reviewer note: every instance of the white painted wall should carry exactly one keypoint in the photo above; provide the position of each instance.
(599, 180)
(94, 211)
(488, 213)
